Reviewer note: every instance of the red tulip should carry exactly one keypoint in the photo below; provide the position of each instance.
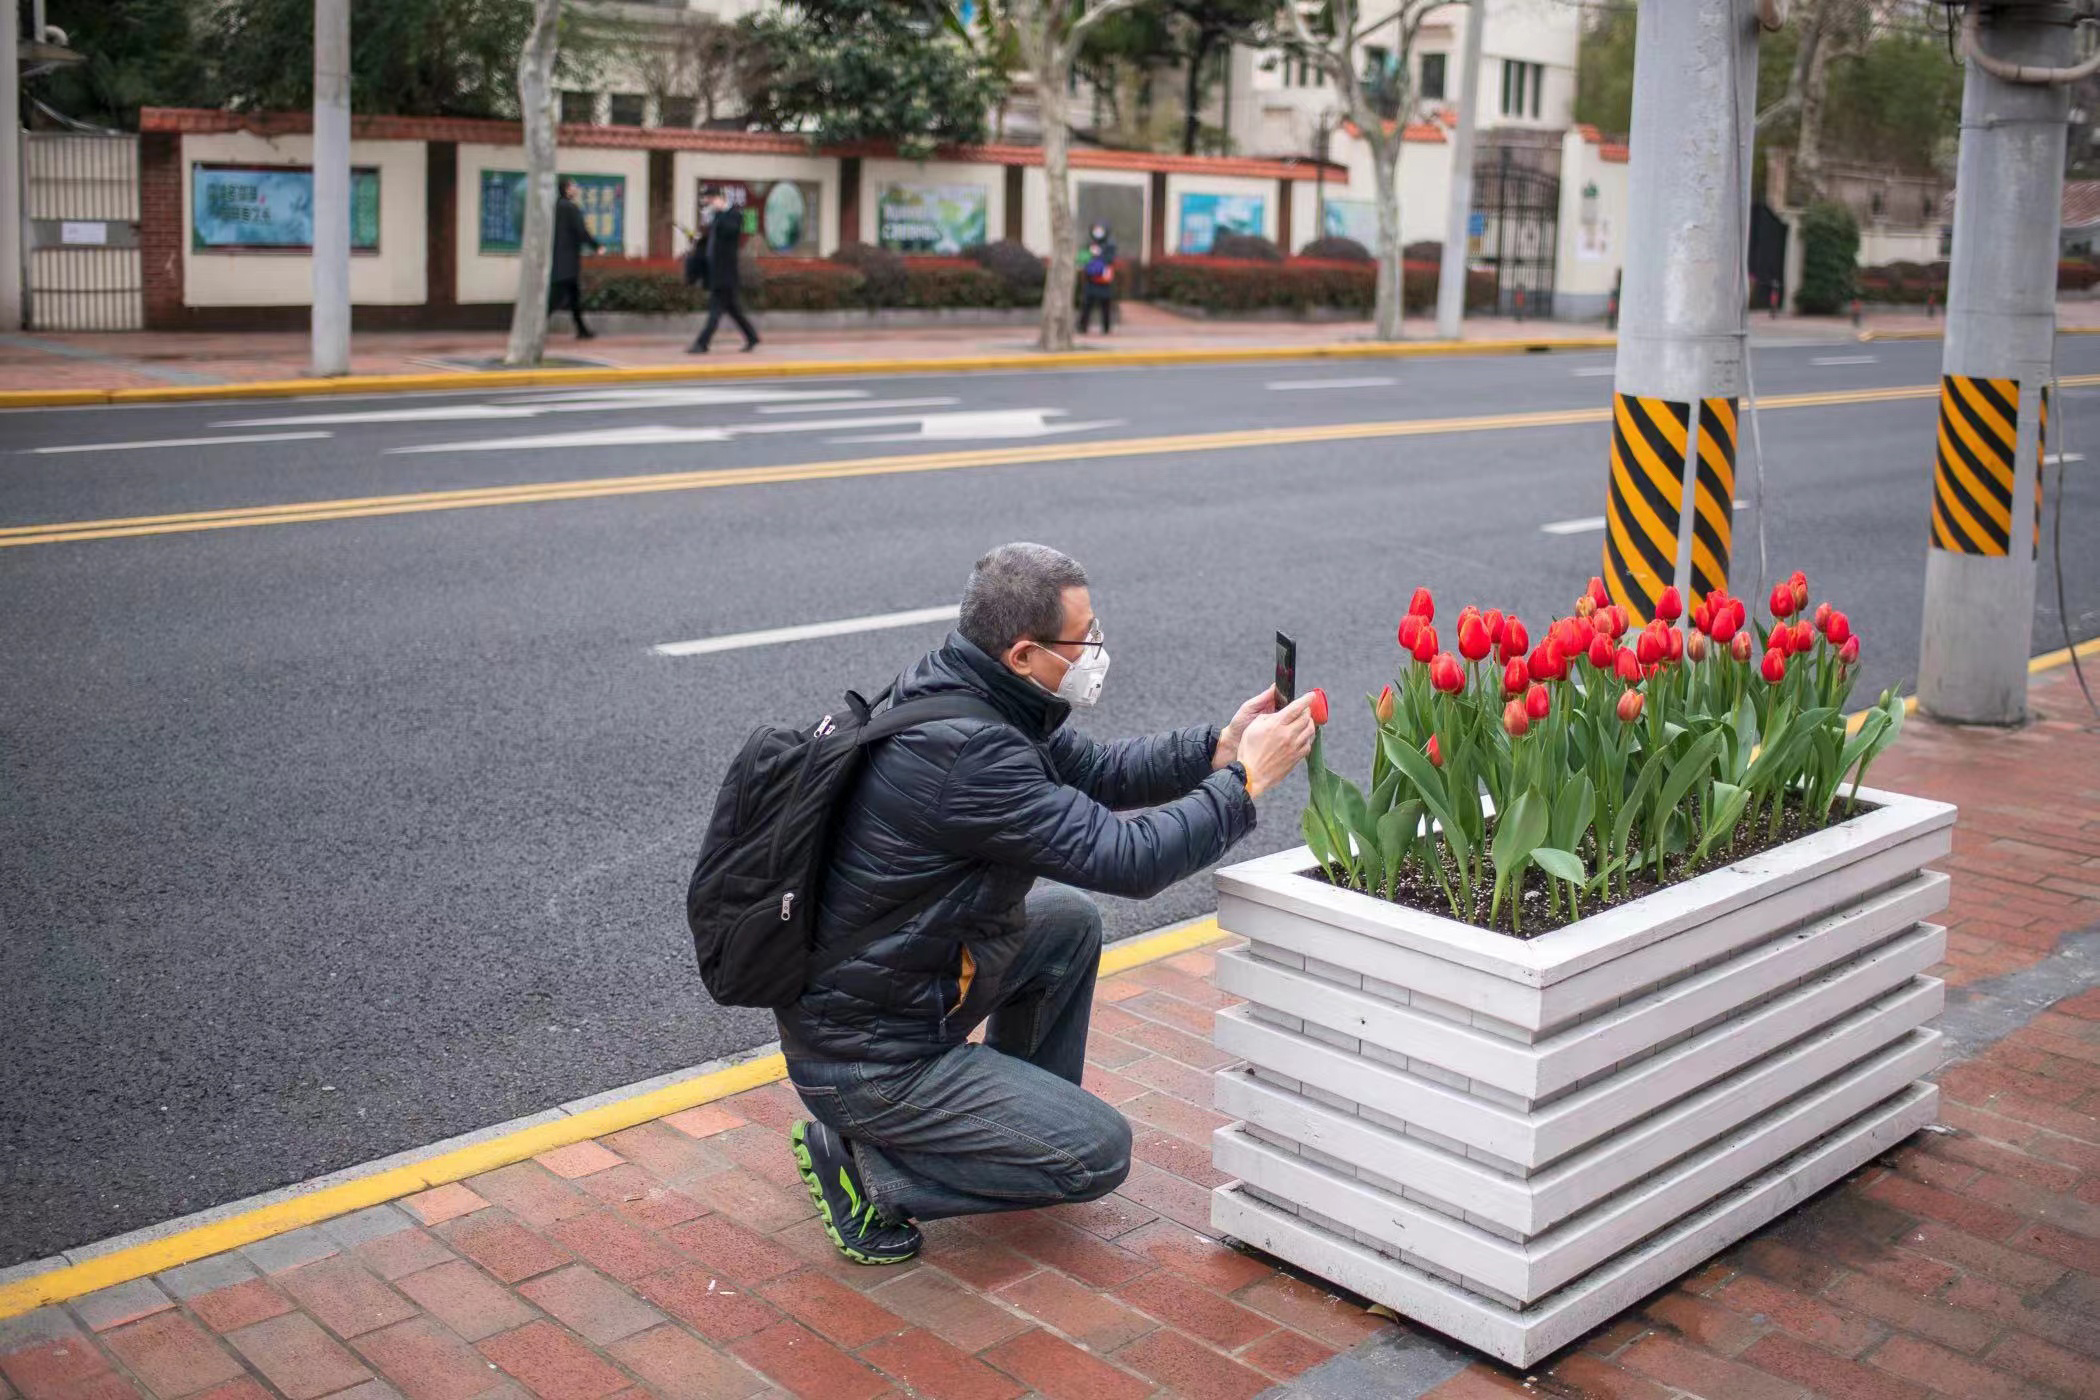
(1600, 652)
(1474, 643)
(1619, 621)
(1676, 644)
(1515, 676)
(1546, 662)
(1702, 617)
(1740, 647)
(1446, 674)
(1598, 596)
(1538, 701)
(1384, 706)
(1650, 647)
(1410, 632)
(1422, 606)
(1670, 606)
(1782, 601)
(1573, 635)
(1495, 622)
(1629, 664)
(1694, 646)
(1318, 707)
(1822, 616)
(1425, 644)
(1725, 626)
(1774, 666)
(1436, 755)
(1600, 622)
(1630, 705)
(1849, 652)
(1515, 722)
(1838, 628)
(1781, 640)
(1514, 641)
(1799, 583)
(1584, 607)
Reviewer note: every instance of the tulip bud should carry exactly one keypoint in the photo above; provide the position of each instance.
(1628, 663)
(1774, 667)
(1573, 635)
(1838, 628)
(1849, 652)
(1740, 647)
(1318, 707)
(1694, 646)
(1650, 648)
(1538, 701)
(1781, 640)
(1515, 722)
(1600, 652)
(1725, 627)
(1782, 601)
(1797, 579)
(1446, 674)
(1515, 676)
(1800, 593)
(1702, 617)
(1436, 755)
(1630, 706)
(1422, 606)
(1410, 631)
(1670, 606)
(1601, 623)
(1822, 616)
(1598, 595)
(1514, 641)
(1584, 607)
(1384, 706)
(1619, 621)
(1474, 643)
(1469, 610)
(1425, 644)
(1676, 639)
(1545, 662)
(1495, 622)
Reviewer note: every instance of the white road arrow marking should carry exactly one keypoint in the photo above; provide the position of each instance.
(1004, 423)
(598, 401)
(1286, 385)
(735, 641)
(179, 442)
(860, 404)
(1846, 360)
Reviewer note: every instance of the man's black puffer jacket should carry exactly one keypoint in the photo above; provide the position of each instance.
(1005, 803)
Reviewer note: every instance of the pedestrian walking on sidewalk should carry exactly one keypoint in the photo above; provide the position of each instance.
(961, 819)
(565, 277)
(1098, 278)
(722, 239)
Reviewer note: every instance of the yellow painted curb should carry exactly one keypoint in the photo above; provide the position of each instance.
(123, 1265)
(2050, 660)
(787, 369)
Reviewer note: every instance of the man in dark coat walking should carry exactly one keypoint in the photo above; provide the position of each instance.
(565, 276)
(724, 235)
(912, 1120)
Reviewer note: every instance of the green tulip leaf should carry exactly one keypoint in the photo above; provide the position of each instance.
(1560, 864)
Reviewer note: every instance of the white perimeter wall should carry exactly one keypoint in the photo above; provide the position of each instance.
(1132, 245)
(493, 277)
(874, 174)
(392, 276)
(1179, 185)
(1591, 253)
(1424, 187)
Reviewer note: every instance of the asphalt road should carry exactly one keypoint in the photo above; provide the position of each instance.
(320, 839)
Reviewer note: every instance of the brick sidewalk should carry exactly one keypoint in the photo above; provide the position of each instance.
(681, 1258)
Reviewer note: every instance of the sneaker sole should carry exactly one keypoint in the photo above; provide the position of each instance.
(808, 1171)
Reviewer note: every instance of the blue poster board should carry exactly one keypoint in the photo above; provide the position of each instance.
(603, 199)
(1205, 216)
(272, 206)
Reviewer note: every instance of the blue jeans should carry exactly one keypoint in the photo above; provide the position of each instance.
(998, 1126)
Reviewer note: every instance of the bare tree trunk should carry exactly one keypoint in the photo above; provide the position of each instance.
(1806, 173)
(1192, 94)
(528, 318)
(1385, 162)
(1063, 272)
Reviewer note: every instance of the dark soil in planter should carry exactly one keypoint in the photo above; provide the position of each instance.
(1419, 891)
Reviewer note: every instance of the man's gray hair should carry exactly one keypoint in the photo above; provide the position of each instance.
(1018, 591)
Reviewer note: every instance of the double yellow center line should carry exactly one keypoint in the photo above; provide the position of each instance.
(420, 502)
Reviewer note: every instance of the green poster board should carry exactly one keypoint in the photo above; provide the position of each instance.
(603, 199)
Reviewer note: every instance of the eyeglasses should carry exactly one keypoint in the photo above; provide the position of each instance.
(1091, 639)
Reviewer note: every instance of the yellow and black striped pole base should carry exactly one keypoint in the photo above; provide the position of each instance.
(1973, 480)
(1645, 508)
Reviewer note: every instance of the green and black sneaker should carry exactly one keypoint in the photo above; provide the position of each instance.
(855, 1223)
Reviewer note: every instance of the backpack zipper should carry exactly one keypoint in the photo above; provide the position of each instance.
(787, 906)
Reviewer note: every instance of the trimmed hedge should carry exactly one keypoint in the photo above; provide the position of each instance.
(2075, 275)
(1902, 283)
(1336, 249)
(1010, 261)
(1301, 284)
(1244, 247)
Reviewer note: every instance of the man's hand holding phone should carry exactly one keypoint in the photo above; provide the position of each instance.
(1274, 741)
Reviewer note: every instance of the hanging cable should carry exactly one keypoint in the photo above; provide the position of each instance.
(1742, 310)
(2056, 532)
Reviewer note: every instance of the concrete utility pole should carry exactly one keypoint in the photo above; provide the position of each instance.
(1999, 355)
(10, 166)
(331, 311)
(1451, 276)
(1682, 322)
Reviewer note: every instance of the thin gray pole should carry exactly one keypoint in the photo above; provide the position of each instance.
(331, 310)
(1682, 323)
(10, 167)
(2001, 342)
(1451, 276)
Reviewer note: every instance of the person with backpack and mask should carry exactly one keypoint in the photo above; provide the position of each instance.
(1097, 277)
(930, 918)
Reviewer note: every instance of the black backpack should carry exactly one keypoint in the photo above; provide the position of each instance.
(752, 901)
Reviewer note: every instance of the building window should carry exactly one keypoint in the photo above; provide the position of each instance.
(1433, 76)
(677, 111)
(1522, 86)
(1376, 61)
(626, 109)
(579, 108)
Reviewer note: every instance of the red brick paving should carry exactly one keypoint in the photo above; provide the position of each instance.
(678, 1258)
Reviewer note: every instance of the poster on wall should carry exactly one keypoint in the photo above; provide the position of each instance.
(1352, 218)
(930, 218)
(782, 213)
(603, 199)
(1120, 207)
(1205, 216)
(272, 206)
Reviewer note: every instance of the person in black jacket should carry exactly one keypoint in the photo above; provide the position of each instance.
(912, 1121)
(724, 234)
(565, 276)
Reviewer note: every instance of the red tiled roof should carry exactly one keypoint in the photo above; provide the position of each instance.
(1416, 131)
(2081, 203)
(1616, 154)
(658, 138)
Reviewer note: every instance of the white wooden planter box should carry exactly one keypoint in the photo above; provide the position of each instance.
(1511, 1141)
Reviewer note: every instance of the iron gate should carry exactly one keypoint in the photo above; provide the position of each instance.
(1517, 213)
(82, 198)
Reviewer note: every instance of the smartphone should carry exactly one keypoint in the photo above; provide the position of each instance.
(1286, 670)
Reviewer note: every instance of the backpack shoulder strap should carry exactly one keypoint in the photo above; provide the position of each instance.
(909, 714)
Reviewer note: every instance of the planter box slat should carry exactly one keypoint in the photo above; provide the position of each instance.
(1510, 1139)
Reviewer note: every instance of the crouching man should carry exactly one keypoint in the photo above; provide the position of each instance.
(912, 1120)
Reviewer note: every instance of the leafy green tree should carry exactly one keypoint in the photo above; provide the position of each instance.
(1604, 72)
(1829, 259)
(140, 53)
(841, 71)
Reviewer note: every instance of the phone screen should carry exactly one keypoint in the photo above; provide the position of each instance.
(1286, 670)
